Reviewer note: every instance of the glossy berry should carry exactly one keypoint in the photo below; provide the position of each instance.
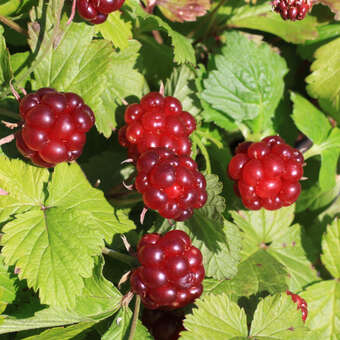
(96, 11)
(170, 184)
(292, 9)
(266, 173)
(163, 325)
(171, 271)
(156, 121)
(54, 127)
(301, 304)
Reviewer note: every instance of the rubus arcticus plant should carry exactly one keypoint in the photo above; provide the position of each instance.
(169, 169)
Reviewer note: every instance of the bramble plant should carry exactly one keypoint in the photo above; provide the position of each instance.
(218, 119)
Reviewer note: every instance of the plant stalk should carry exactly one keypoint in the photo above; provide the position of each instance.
(13, 25)
(135, 318)
(130, 260)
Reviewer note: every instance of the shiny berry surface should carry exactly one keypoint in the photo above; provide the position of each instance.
(171, 271)
(54, 127)
(96, 11)
(266, 173)
(301, 304)
(292, 9)
(170, 183)
(156, 121)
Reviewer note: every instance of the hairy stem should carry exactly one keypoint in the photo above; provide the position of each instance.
(130, 260)
(13, 25)
(205, 153)
(135, 318)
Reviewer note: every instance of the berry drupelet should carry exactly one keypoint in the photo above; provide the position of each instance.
(171, 271)
(170, 184)
(156, 121)
(96, 11)
(292, 9)
(54, 126)
(266, 173)
(301, 304)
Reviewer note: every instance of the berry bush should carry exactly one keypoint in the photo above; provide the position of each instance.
(169, 169)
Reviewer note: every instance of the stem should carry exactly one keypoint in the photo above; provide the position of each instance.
(130, 260)
(135, 318)
(211, 17)
(212, 139)
(313, 151)
(9, 114)
(204, 153)
(13, 25)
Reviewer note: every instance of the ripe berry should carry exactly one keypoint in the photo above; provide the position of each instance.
(54, 127)
(171, 271)
(267, 173)
(292, 9)
(96, 11)
(156, 121)
(301, 304)
(170, 184)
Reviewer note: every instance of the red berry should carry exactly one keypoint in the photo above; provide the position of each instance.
(54, 126)
(301, 304)
(157, 122)
(292, 9)
(171, 270)
(267, 173)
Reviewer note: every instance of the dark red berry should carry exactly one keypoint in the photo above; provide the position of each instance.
(266, 173)
(170, 184)
(54, 126)
(156, 121)
(292, 9)
(171, 271)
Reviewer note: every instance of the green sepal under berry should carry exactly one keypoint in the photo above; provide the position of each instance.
(218, 239)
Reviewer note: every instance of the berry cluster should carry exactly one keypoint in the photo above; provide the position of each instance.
(157, 122)
(54, 126)
(301, 304)
(292, 9)
(267, 173)
(96, 11)
(171, 271)
(163, 325)
(170, 184)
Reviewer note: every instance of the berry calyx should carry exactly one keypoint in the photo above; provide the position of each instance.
(266, 173)
(54, 126)
(171, 271)
(292, 9)
(96, 11)
(170, 184)
(157, 121)
(301, 304)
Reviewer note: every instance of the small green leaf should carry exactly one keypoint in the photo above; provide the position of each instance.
(5, 70)
(183, 50)
(277, 317)
(247, 82)
(116, 30)
(216, 317)
(323, 82)
(331, 249)
(323, 299)
(8, 286)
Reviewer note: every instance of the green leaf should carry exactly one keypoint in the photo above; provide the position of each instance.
(216, 317)
(8, 286)
(309, 120)
(247, 82)
(183, 50)
(116, 30)
(331, 249)
(218, 239)
(181, 85)
(323, 300)
(262, 18)
(270, 230)
(65, 333)
(5, 70)
(323, 82)
(24, 185)
(120, 327)
(98, 301)
(276, 317)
